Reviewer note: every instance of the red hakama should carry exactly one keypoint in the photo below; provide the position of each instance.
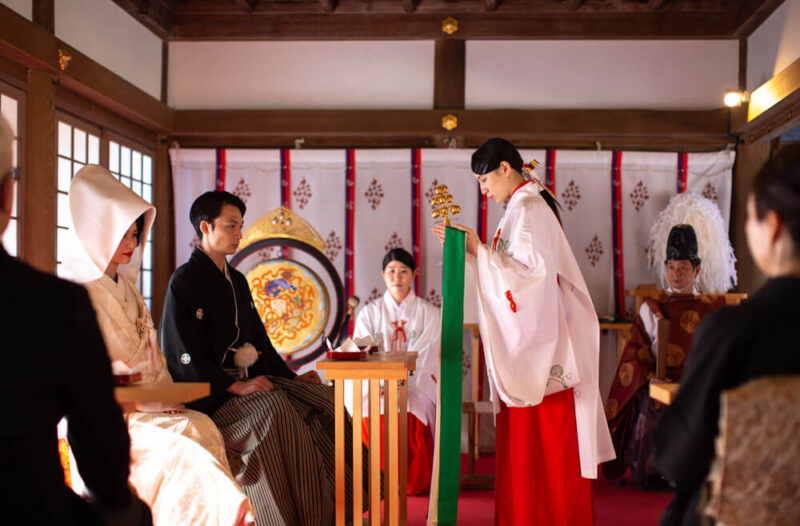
(420, 454)
(538, 472)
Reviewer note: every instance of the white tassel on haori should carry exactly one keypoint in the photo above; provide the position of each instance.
(717, 267)
(245, 356)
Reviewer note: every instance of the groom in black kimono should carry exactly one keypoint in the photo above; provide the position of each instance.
(280, 423)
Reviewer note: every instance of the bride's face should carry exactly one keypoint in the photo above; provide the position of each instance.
(126, 247)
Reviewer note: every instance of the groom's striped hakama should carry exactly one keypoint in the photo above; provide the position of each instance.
(285, 438)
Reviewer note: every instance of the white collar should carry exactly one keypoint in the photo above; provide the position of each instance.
(695, 292)
(403, 306)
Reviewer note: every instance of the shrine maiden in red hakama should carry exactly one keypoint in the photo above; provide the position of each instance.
(541, 339)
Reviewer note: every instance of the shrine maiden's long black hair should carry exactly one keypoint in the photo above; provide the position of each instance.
(777, 188)
(401, 255)
(488, 157)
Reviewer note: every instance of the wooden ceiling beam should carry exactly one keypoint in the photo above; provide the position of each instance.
(774, 106)
(573, 5)
(542, 125)
(750, 14)
(329, 6)
(247, 5)
(409, 6)
(260, 26)
(155, 15)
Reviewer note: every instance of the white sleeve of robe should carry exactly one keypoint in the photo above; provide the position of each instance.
(551, 342)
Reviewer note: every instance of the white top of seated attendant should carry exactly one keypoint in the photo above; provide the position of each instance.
(102, 209)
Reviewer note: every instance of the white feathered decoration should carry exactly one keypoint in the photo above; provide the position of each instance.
(717, 267)
(245, 356)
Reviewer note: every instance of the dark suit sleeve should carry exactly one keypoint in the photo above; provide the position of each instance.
(97, 433)
(271, 362)
(684, 439)
(181, 338)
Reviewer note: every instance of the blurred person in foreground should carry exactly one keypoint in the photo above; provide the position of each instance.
(54, 365)
(736, 344)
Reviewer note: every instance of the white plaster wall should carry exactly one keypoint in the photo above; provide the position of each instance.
(641, 74)
(774, 45)
(301, 75)
(110, 36)
(23, 7)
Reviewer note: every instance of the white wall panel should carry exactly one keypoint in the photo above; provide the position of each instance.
(301, 75)
(107, 34)
(23, 7)
(600, 74)
(774, 45)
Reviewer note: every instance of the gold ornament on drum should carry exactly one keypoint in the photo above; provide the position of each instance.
(442, 205)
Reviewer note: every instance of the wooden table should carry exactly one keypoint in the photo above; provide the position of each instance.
(392, 368)
(178, 393)
(663, 391)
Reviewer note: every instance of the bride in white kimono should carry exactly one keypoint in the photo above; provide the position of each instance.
(178, 461)
(541, 339)
(401, 321)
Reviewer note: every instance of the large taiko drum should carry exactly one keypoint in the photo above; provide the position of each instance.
(297, 291)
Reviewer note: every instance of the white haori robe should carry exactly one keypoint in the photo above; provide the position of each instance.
(178, 461)
(538, 325)
(421, 325)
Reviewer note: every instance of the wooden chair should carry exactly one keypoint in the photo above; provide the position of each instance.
(473, 408)
(755, 478)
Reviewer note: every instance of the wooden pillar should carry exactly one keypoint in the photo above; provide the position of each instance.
(38, 182)
(749, 160)
(448, 79)
(164, 228)
(43, 12)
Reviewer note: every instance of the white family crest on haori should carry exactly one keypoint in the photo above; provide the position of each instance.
(537, 321)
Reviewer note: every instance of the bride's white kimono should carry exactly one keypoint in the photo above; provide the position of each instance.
(178, 461)
(537, 321)
(420, 323)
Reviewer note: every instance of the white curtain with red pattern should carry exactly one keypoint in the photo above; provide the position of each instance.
(382, 214)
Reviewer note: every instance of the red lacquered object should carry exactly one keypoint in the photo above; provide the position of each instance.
(346, 355)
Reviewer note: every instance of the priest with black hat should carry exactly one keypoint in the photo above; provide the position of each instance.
(631, 413)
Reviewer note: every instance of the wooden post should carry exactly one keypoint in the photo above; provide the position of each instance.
(662, 348)
(402, 461)
(358, 440)
(338, 393)
(750, 159)
(43, 12)
(374, 452)
(448, 76)
(38, 183)
(391, 491)
(164, 227)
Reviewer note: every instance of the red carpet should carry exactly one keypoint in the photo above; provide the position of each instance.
(614, 505)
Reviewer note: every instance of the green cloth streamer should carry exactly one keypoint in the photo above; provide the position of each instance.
(443, 508)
